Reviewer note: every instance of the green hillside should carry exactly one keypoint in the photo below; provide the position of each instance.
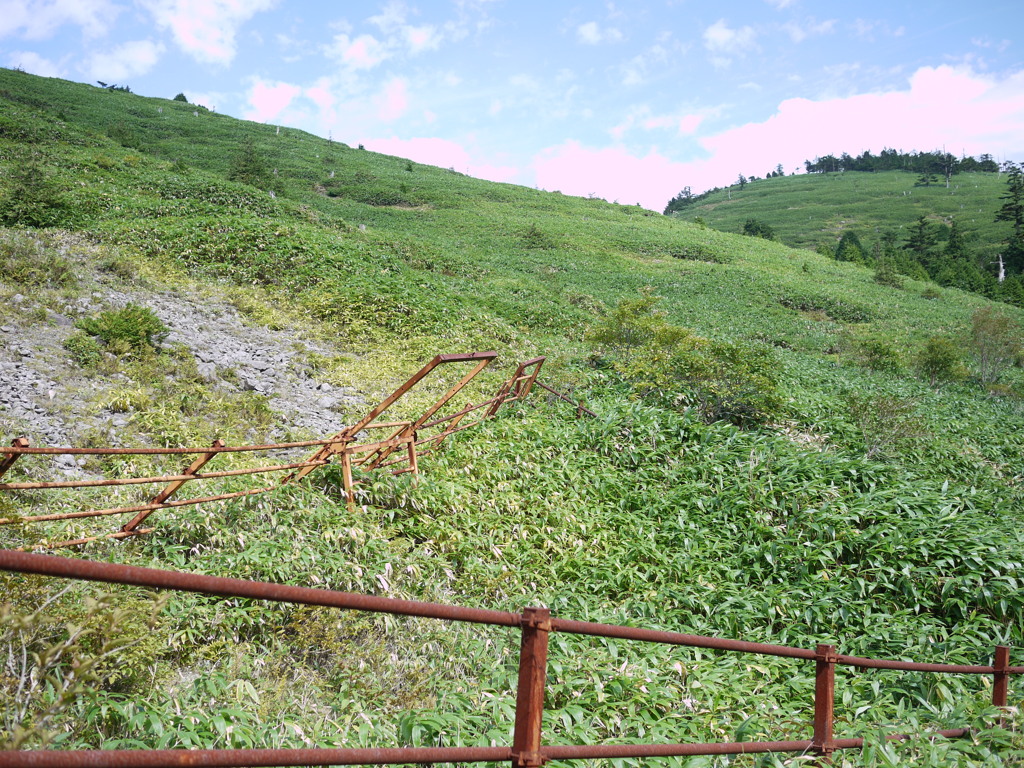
(910, 222)
(786, 450)
(817, 208)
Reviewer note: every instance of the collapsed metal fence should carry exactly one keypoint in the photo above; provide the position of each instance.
(535, 625)
(404, 444)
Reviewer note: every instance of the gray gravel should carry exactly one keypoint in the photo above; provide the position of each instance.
(45, 396)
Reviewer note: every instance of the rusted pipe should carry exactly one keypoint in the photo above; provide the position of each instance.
(113, 573)
(238, 758)
(136, 508)
(676, 638)
(609, 751)
(158, 451)
(912, 666)
(76, 542)
(151, 480)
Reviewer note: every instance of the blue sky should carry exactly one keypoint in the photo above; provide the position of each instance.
(629, 101)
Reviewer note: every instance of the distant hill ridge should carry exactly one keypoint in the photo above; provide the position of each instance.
(929, 214)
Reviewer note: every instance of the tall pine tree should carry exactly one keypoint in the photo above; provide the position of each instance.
(1013, 212)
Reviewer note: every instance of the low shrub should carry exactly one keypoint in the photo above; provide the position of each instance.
(877, 352)
(885, 274)
(700, 252)
(940, 360)
(84, 349)
(723, 381)
(840, 310)
(128, 331)
(996, 340)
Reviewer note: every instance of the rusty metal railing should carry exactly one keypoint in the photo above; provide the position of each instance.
(535, 625)
(399, 452)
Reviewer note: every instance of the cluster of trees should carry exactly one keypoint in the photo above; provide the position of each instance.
(935, 163)
(686, 198)
(935, 250)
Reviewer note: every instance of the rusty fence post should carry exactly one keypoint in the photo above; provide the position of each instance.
(1001, 678)
(9, 458)
(533, 661)
(346, 477)
(414, 464)
(824, 701)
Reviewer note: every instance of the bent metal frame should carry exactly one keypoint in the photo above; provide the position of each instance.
(400, 451)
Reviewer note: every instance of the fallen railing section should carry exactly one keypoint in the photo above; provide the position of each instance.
(398, 452)
(535, 626)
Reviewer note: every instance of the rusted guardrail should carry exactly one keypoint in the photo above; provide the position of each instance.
(535, 624)
(398, 453)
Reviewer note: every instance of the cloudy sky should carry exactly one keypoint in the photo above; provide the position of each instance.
(629, 101)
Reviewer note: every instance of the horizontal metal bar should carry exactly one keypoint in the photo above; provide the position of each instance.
(226, 587)
(76, 542)
(464, 356)
(238, 758)
(136, 508)
(607, 751)
(391, 442)
(954, 733)
(160, 451)
(113, 573)
(533, 361)
(913, 666)
(676, 638)
(151, 480)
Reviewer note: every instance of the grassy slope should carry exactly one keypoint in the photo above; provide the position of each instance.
(816, 208)
(646, 516)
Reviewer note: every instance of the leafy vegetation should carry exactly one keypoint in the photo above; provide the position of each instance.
(132, 329)
(782, 453)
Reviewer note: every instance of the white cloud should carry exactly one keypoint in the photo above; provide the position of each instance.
(205, 29)
(722, 39)
(126, 60)
(363, 52)
(391, 18)
(634, 71)
(642, 118)
(32, 62)
(39, 19)
(525, 82)
(810, 28)
(867, 29)
(268, 99)
(591, 33)
(393, 22)
(419, 39)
